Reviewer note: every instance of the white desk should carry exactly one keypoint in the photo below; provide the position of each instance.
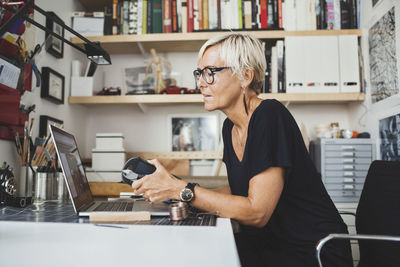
(75, 244)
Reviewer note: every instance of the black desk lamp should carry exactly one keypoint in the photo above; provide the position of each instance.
(92, 49)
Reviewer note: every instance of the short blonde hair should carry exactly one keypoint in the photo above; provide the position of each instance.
(240, 51)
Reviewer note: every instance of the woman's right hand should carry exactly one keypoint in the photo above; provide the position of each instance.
(158, 186)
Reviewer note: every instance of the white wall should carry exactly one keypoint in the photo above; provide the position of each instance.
(74, 117)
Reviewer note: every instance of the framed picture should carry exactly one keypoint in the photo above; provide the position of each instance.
(193, 132)
(55, 46)
(52, 85)
(44, 123)
(389, 133)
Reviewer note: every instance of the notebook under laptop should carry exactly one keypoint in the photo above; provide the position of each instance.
(78, 186)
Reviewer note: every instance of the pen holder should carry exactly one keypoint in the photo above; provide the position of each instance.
(60, 187)
(24, 182)
(43, 186)
(50, 186)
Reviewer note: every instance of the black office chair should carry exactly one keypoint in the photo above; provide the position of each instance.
(377, 218)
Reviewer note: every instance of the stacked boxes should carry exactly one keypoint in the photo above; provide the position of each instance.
(108, 158)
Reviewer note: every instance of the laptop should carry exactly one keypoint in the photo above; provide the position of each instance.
(78, 185)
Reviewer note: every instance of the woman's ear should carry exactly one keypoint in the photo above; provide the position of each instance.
(248, 76)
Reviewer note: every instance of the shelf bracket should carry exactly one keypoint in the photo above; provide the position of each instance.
(141, 48)
(143, 107)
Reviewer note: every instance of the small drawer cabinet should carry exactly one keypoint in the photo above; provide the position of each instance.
(343, 164)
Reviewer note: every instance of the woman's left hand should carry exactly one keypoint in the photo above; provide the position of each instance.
(158, 186)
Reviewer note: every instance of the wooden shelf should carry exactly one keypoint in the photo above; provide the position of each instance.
(185, 42)
(198, 99)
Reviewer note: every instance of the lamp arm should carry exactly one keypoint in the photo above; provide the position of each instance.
(20, 13)
(17, 14)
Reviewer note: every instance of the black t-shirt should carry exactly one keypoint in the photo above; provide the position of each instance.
(304, 214)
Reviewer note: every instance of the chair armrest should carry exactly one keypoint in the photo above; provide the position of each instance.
(322, 242)
(347, 213)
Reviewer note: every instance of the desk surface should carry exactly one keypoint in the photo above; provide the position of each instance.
(31, 238)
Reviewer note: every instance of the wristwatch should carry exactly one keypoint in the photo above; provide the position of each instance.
(187, 193)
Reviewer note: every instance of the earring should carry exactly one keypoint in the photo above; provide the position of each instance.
(244, 100)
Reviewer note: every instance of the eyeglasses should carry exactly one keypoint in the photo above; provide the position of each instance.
(207, 73)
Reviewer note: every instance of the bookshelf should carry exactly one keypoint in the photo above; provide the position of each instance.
(189, 42)
(198, 99)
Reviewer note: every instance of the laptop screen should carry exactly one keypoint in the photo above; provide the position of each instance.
(71, 164)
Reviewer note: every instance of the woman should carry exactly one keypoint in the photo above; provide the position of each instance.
(274, 191)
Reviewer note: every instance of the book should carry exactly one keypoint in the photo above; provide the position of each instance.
(279, 9)
(132, 21)
(149, 17)
(247, 14)
(196, 22)
(157, 23)
(206, 23)
(115, 17)
(144, 17)
(179, 13)
(174, 16)
(190, 17)
(125, 14)
(213, 14)
(270, 14)
(167, 19)
(281, 66)
(240, 14)
(184, 16)
(200, 17)
(139, 17)
(108, 20)
(263, 14)
(345, 14)
(255, 15)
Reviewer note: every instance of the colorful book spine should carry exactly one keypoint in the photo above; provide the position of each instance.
(196, 15)
(264, 14)
(157, 23)
(125, 25)
(115, 18)
(280, 22)
(132, 17)
(149, 16)
(240, 14)
(213, 14)
(330, 14)
(139, 17)
(167, 21)
(206, 22)
(190, 17)
(174, 16)
(184, 16)
(247, 14)
(144, 18)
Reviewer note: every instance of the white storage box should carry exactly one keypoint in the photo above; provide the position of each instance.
(108, 160)
(103, 176)
(110, 141)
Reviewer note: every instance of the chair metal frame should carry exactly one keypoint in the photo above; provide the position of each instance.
(322, 242)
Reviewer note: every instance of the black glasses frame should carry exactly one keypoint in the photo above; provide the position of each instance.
(197, 73)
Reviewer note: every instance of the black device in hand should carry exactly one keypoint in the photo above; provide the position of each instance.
(136, 168)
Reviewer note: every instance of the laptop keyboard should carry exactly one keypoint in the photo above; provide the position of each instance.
(203, 220)
(114, 206)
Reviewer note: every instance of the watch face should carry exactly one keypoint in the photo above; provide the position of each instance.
(186, 194)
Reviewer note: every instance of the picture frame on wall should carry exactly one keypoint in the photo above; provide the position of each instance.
(389, 133)
(53, 86)
(197, 132)
(55, 46)
(45, 121)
